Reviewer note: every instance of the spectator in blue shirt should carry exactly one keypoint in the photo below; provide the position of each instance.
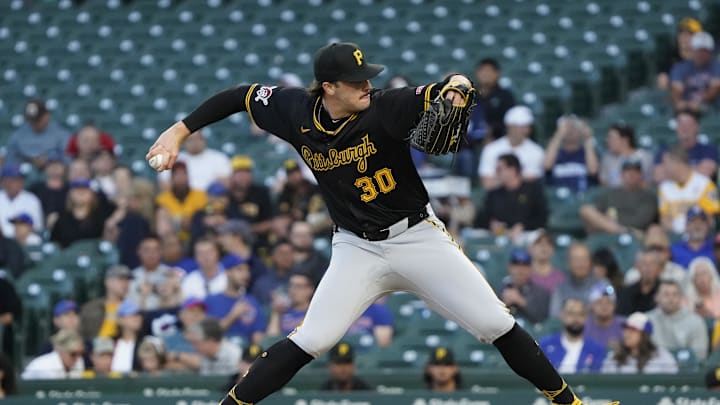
(288, 311)
(703, 157)
(696, 82)
(570, 158)
(376, 320)
(174, 255)
(39, 139)
(697, 241)
(239, 313)
(278, 274)
(570, 351)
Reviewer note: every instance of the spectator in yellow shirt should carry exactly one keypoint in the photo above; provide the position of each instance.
(683, 189)
(180, 203)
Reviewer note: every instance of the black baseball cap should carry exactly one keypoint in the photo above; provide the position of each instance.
(343, 61)
(442, 356)
(342, 353)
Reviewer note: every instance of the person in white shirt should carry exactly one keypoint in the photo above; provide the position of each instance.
(130, 322)
(518, 121)
(677, 327)
(637, 353)
(205, 165)
(65, 361)
(14, 200)
(210, 277)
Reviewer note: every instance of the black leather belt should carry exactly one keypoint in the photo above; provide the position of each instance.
(383, 234)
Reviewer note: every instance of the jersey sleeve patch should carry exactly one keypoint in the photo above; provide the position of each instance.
(263, 94)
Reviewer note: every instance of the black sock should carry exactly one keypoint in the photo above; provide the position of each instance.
(272, 369)
(527, 360)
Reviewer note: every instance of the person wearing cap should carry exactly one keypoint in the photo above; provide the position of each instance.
(603, 325)
(14, 199)
(127, 340)
(299, 197)
(570, 350)
(209, 277)
(695, 83)
(84, 215)
(151, 273)
(98, 317)
(518, 121)
(492, 100)
(341, 367)
(205, 165)
(65, 361)
(65, 317)
(249, 354)
(516, 207)
(703, 292)
(38, 139)
(580, 282)
(355, 140)
(249, 201)
(680, 51)
(697, 240)
(544, 273)
(102, 357)
(702, 157)
(637, 353)
(524, 298)
(180, 201)
(239, 313)
(683, 189)
(171, 328)
(629, 207)
(676, 327)
(441, 371)
(570, 158)
(236, 237)
(13, 257)
(24, 234)
(621, 147)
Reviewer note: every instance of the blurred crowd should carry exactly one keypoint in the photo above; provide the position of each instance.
(214, 262)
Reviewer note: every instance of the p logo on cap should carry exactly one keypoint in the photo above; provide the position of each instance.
(358, 57)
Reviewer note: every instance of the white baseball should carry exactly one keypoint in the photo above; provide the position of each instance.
(156, 161)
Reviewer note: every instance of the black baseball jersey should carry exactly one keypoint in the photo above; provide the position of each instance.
(362, 162)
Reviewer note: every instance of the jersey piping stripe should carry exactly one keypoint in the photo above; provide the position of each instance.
(443, 230)
(247, 102)
(427, 96)
(318, 125)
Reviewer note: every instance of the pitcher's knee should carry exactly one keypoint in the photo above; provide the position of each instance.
(494, 326)
(315, 343)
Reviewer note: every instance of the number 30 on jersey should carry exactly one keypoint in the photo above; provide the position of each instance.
(382, 180)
